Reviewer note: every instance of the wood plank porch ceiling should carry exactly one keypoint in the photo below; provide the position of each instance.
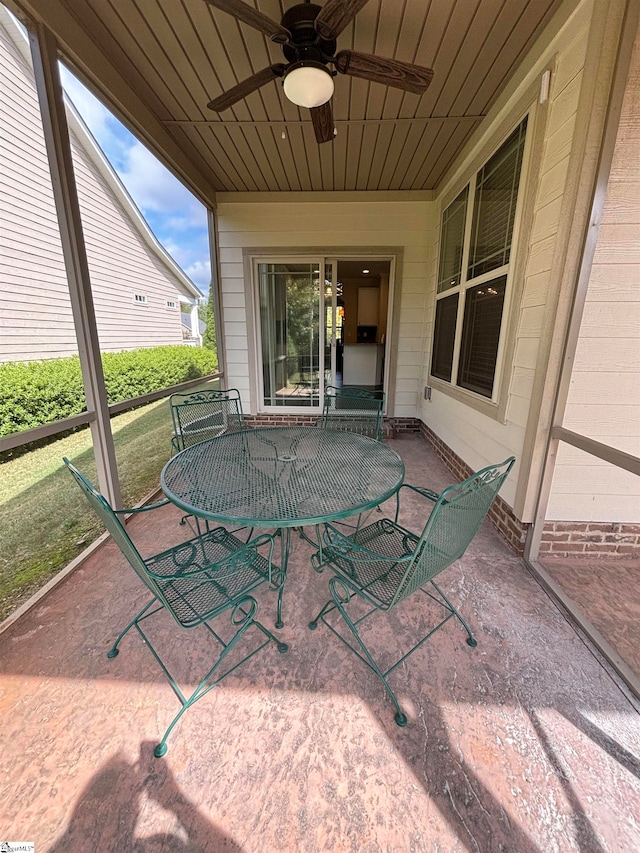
(178, 55)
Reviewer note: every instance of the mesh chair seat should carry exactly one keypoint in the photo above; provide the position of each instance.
(195, 591)
(354, 557)
(384, 563)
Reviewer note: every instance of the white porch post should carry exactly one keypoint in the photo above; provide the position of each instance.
(214, 255)
(195, 324)
(45, 65)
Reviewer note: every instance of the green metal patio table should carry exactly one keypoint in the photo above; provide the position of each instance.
(283, 478)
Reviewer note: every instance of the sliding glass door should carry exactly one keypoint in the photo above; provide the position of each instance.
(291, 299)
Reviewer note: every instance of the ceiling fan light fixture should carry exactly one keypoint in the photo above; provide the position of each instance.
(308, 84)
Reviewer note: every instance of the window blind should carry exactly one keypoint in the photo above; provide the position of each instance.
(451, 242)
(495, 206)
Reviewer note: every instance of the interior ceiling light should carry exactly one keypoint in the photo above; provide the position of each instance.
(365, 271)
(308, 84)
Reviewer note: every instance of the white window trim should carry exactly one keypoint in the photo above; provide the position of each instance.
(494, 407)
(140, 299)
(171, 304)
(252, 256)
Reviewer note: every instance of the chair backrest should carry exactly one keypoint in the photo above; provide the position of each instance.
(115, 527)
(354, 410)
(205, 414)
(452, 524)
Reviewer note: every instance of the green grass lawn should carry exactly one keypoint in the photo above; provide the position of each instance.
(45, 520)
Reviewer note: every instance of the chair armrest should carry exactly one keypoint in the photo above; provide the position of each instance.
(345, 546)
(235, 561)
(426, 493)
(164, 502)
(429, 494)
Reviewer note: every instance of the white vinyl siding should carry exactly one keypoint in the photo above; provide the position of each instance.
(604, 397)
(317, 226)
(35, 310)
(120, 265)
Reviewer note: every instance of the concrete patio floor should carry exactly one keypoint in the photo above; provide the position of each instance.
(525, 743)
(606, 592)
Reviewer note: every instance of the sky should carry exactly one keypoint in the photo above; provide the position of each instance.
(176, 217)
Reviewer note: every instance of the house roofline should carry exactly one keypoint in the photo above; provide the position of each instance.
(92, 147)
(98, 157)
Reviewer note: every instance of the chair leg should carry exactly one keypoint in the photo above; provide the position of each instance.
(195, 529)
(341, 596)
(285, 547)
(113, 651)
(326, 609)
(246, 621)
(471, 640)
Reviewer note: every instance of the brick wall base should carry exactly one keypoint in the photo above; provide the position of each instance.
(501, 515)
(559, 538)
(280, 420)
(578, 539)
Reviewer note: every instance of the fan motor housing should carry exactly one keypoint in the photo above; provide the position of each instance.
(305, 42)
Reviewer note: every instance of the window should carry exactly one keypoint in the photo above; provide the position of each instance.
(140, 298)
(171, 303)
(473, 271)
(450, 268)
(444, 336)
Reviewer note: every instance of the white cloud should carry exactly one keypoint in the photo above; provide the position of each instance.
(200, 274)
(154, 188)
(113, 138)
(180, 254)
(94, 113)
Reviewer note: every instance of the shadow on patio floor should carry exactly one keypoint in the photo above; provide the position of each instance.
(525, 743)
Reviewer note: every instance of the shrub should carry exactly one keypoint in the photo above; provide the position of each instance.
(39, 392)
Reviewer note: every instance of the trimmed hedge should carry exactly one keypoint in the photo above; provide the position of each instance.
(38, 392)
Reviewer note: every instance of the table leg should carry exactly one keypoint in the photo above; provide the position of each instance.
(285, 545)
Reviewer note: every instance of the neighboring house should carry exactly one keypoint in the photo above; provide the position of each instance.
(192, 336)
(139, 292)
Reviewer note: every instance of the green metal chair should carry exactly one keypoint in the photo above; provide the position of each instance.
(384, 562)
(196, 582)
(200, 415)
(204, 414)
(353, 410)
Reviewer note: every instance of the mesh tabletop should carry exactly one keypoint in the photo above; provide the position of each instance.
(282, 476)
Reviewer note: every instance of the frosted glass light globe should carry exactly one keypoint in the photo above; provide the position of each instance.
(308, 85)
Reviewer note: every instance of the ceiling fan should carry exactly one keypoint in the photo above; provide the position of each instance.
(307, 34)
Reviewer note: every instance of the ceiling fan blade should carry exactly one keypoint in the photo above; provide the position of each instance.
(322, 118)
(246, 87)
(391, 72)
(335, 16)
(254, 18)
